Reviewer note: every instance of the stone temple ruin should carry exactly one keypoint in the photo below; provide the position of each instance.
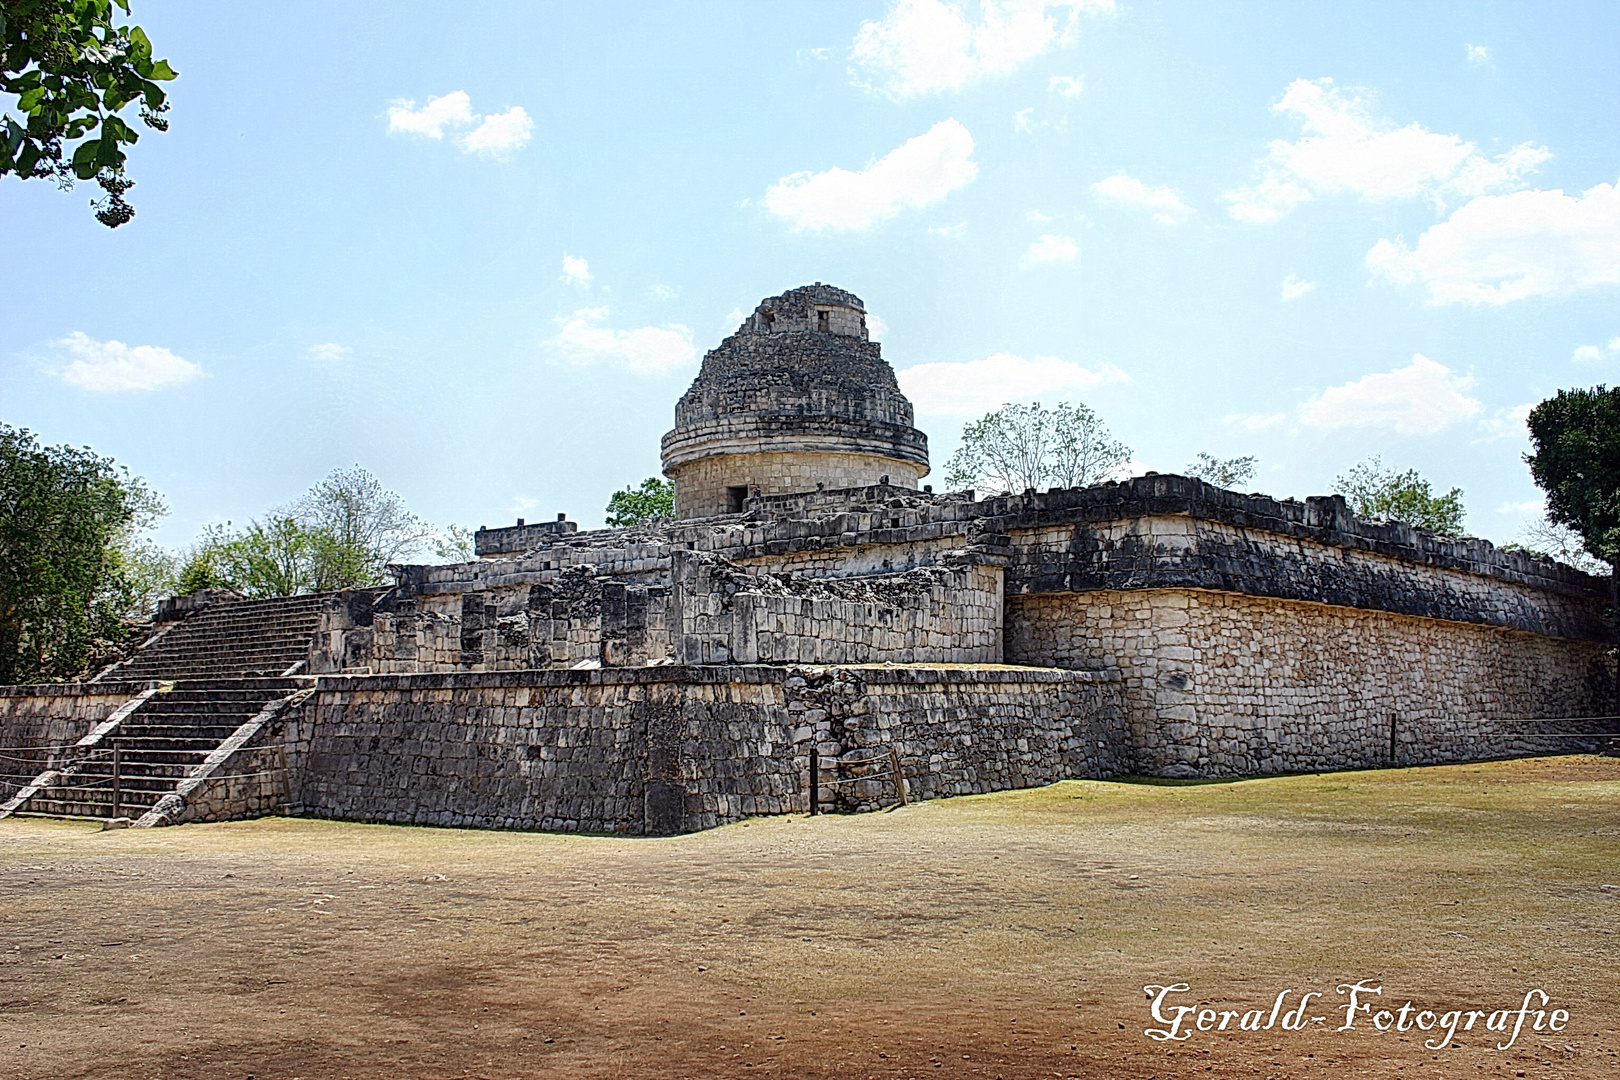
(811, 607)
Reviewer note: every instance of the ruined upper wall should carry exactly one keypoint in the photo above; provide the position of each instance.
(1146, 533)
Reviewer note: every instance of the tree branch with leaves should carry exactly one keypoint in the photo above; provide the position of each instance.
(72, 72)
(1023, 447)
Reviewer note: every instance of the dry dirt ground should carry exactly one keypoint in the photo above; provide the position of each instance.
(1006, 935)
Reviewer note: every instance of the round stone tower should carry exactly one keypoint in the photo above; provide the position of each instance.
(796, 398)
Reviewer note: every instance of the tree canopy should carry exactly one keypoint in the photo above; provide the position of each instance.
(1576, 436)
(342, 534)
(72, 72)
(67, 520)
(1223, 472)
(1019, 447)
(654, 499)
(1382, 494)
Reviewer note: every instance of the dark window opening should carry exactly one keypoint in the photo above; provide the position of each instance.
(823, 321)
(766, 320)
(735, 496)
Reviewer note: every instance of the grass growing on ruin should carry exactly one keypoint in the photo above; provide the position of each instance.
(1007, 934)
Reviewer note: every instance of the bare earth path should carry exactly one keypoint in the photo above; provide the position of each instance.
(1006, 935)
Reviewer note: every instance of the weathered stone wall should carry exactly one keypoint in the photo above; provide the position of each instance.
(704, 486)
(672, 749)
(38, 722)
(1221, 684)
(256, 782)
(942, 614)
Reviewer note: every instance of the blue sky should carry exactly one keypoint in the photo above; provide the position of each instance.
(483, 257)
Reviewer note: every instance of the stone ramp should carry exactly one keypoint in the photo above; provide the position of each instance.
(229, 639)
(164, 742)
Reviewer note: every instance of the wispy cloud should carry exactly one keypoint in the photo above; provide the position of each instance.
(330, 352)
(584, 337)
(113, 367)
(1051, 249)
(918, 173)
(1423, 398)
(927, 46)
(1293, 288)
(1069, 86)
(1162, 202)
(1344, 150)
(1477, 54)
(974, 387)
(494, 135)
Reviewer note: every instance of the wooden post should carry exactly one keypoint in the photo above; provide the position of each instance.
(815, 781)
(899, 778)
(1392, 738)
(117, 780)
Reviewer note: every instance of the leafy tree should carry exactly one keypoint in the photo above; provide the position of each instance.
(342, 534)
(1576, 435)
(1019, 447)
(66, 515)
(1223, 473)
(455, 544)
(72, 72)
(1380, 494)
(356, 528)
(654, 499)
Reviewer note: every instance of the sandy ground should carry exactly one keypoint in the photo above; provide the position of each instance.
(1006, 935)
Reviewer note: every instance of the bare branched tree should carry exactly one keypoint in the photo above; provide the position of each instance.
(1023, 447)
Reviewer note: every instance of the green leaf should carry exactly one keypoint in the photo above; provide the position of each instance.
(162, 72)
(142, 44)
(86, 152)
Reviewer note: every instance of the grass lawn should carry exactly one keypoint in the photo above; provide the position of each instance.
(1001, 935)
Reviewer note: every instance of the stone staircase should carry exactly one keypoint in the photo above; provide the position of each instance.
(228, 639)
(166, 740)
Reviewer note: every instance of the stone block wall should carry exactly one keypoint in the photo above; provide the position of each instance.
(38, 722)
(1222, 684)
(941, 614)
(256, 782)
(673, 749)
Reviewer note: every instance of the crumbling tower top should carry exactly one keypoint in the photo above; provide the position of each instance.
(797, 398)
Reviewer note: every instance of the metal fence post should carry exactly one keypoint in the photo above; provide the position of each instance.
(815, 781)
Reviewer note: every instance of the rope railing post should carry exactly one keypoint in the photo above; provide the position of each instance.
(899, 777)
(815, 782)
(1392, 738)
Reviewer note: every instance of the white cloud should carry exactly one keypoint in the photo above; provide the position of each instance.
(451, 110)
(1070, 86)
(1293, 288)
(949, 232)
(1478, 54)
(1165, 205)
(1422, 398)
(975, 387)
(1592, 354)
(926, 46)
(1035, 217)
(876, 328)
(918, 173)
(112, 366)
(1510, 423)
(330, 352)
(1529, 507)
(576, 271)
(1255, 421)
(495, 134)
(1023, 119)
(523, 506)
(1049, 249)
(585, 338)
(1343, 150)
(500, 133)
(1500, 248)
(663, 292)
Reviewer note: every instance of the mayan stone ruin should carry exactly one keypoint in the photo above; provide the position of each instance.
(814, 625)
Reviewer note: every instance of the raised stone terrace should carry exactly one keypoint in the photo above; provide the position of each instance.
(230, 639)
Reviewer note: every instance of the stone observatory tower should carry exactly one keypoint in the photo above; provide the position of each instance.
(796, 398)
